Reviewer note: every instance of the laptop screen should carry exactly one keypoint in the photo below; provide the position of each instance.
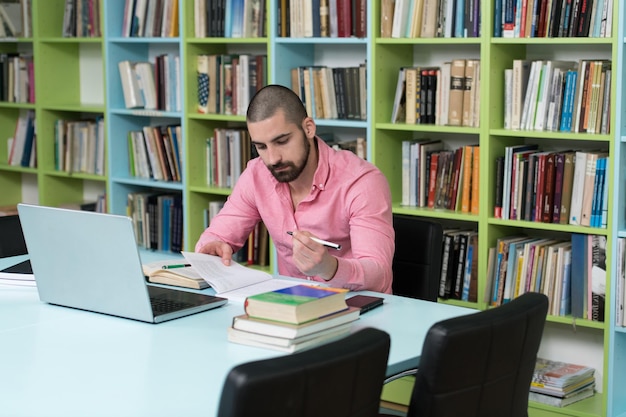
(11, 237)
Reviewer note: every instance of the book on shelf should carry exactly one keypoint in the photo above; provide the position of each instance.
(555, 401)
(386, 18)
(559, 378)
(597, 275)
(399, 103)
(471, 85)
(400, 18)
(10, 20)
(133, 98)
(173, 272)
(581, 245)
(296, 304)
(457, 88)
(288, 344)
(566, 192)
(590, 177)
(22, 146)
(508, 176)
(274, 328)
(499, 188)
(501, 265)
(578, 185)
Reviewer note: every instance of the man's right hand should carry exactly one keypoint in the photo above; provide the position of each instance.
(218, 248)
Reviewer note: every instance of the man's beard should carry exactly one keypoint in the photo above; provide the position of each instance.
(294, 170)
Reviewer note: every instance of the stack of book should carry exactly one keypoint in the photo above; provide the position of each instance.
(560, 384)
(294, 318)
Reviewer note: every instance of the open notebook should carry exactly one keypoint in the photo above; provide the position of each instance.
(90, 261)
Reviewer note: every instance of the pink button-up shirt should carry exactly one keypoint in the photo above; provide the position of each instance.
(349, 204)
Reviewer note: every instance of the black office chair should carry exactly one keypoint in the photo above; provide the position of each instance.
(338, 379)
(480, 365)
(417, 260)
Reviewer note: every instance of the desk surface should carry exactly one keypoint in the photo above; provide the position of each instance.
(57, 361)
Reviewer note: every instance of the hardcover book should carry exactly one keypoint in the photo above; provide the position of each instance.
(293, 331)
(288, 345)
(174, 273)
(297, 304)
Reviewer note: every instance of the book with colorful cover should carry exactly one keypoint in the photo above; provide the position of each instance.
(550, 373)
(297, 304)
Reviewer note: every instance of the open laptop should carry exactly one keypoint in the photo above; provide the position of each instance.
(90, 261)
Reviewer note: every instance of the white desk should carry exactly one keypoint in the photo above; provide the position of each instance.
(56, 361)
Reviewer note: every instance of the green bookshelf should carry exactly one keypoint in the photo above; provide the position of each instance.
(78, 78)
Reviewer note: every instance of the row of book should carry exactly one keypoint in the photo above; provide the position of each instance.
(79, 146)
(448, 95)
(81, 19)
(155, 153)
(22, 146)
(571, 273)
(227, 83)
(229, 19)
(17, 78)
(152, 86)
(553, 18)
(322, 18)
(560, 384)
(459, 265)
(563, 96)
(15, 19)
(332, 93)
(150, 18)
(564, 187)
(430, 19)
(438, 178)
(157, 220)
(293, 318)
(255, 250)
(227, 153)
(358, 146)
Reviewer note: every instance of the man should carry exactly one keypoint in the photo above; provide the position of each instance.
(301, 185)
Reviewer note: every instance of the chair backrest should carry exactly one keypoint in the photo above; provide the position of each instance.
(481, 365)
(339, 379)
(417, 259)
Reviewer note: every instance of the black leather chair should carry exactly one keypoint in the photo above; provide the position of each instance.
(480, 365)
(417, 260)
(338, 379)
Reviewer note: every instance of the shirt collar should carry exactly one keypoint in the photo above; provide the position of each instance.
(322, 173)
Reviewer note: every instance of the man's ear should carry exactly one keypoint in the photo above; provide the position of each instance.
(308, 126)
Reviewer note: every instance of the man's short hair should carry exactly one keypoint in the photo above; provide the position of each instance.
(271, 98)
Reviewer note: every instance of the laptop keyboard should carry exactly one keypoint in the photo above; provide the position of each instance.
(164, 306)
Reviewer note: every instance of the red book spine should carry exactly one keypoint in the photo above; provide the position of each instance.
(541, 162)
(548, 197)
(344, 18)
(432, 179)
(361, 19)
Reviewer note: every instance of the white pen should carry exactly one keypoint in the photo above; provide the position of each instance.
(321, 241)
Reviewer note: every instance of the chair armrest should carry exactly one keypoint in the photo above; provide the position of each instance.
(399, 375)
